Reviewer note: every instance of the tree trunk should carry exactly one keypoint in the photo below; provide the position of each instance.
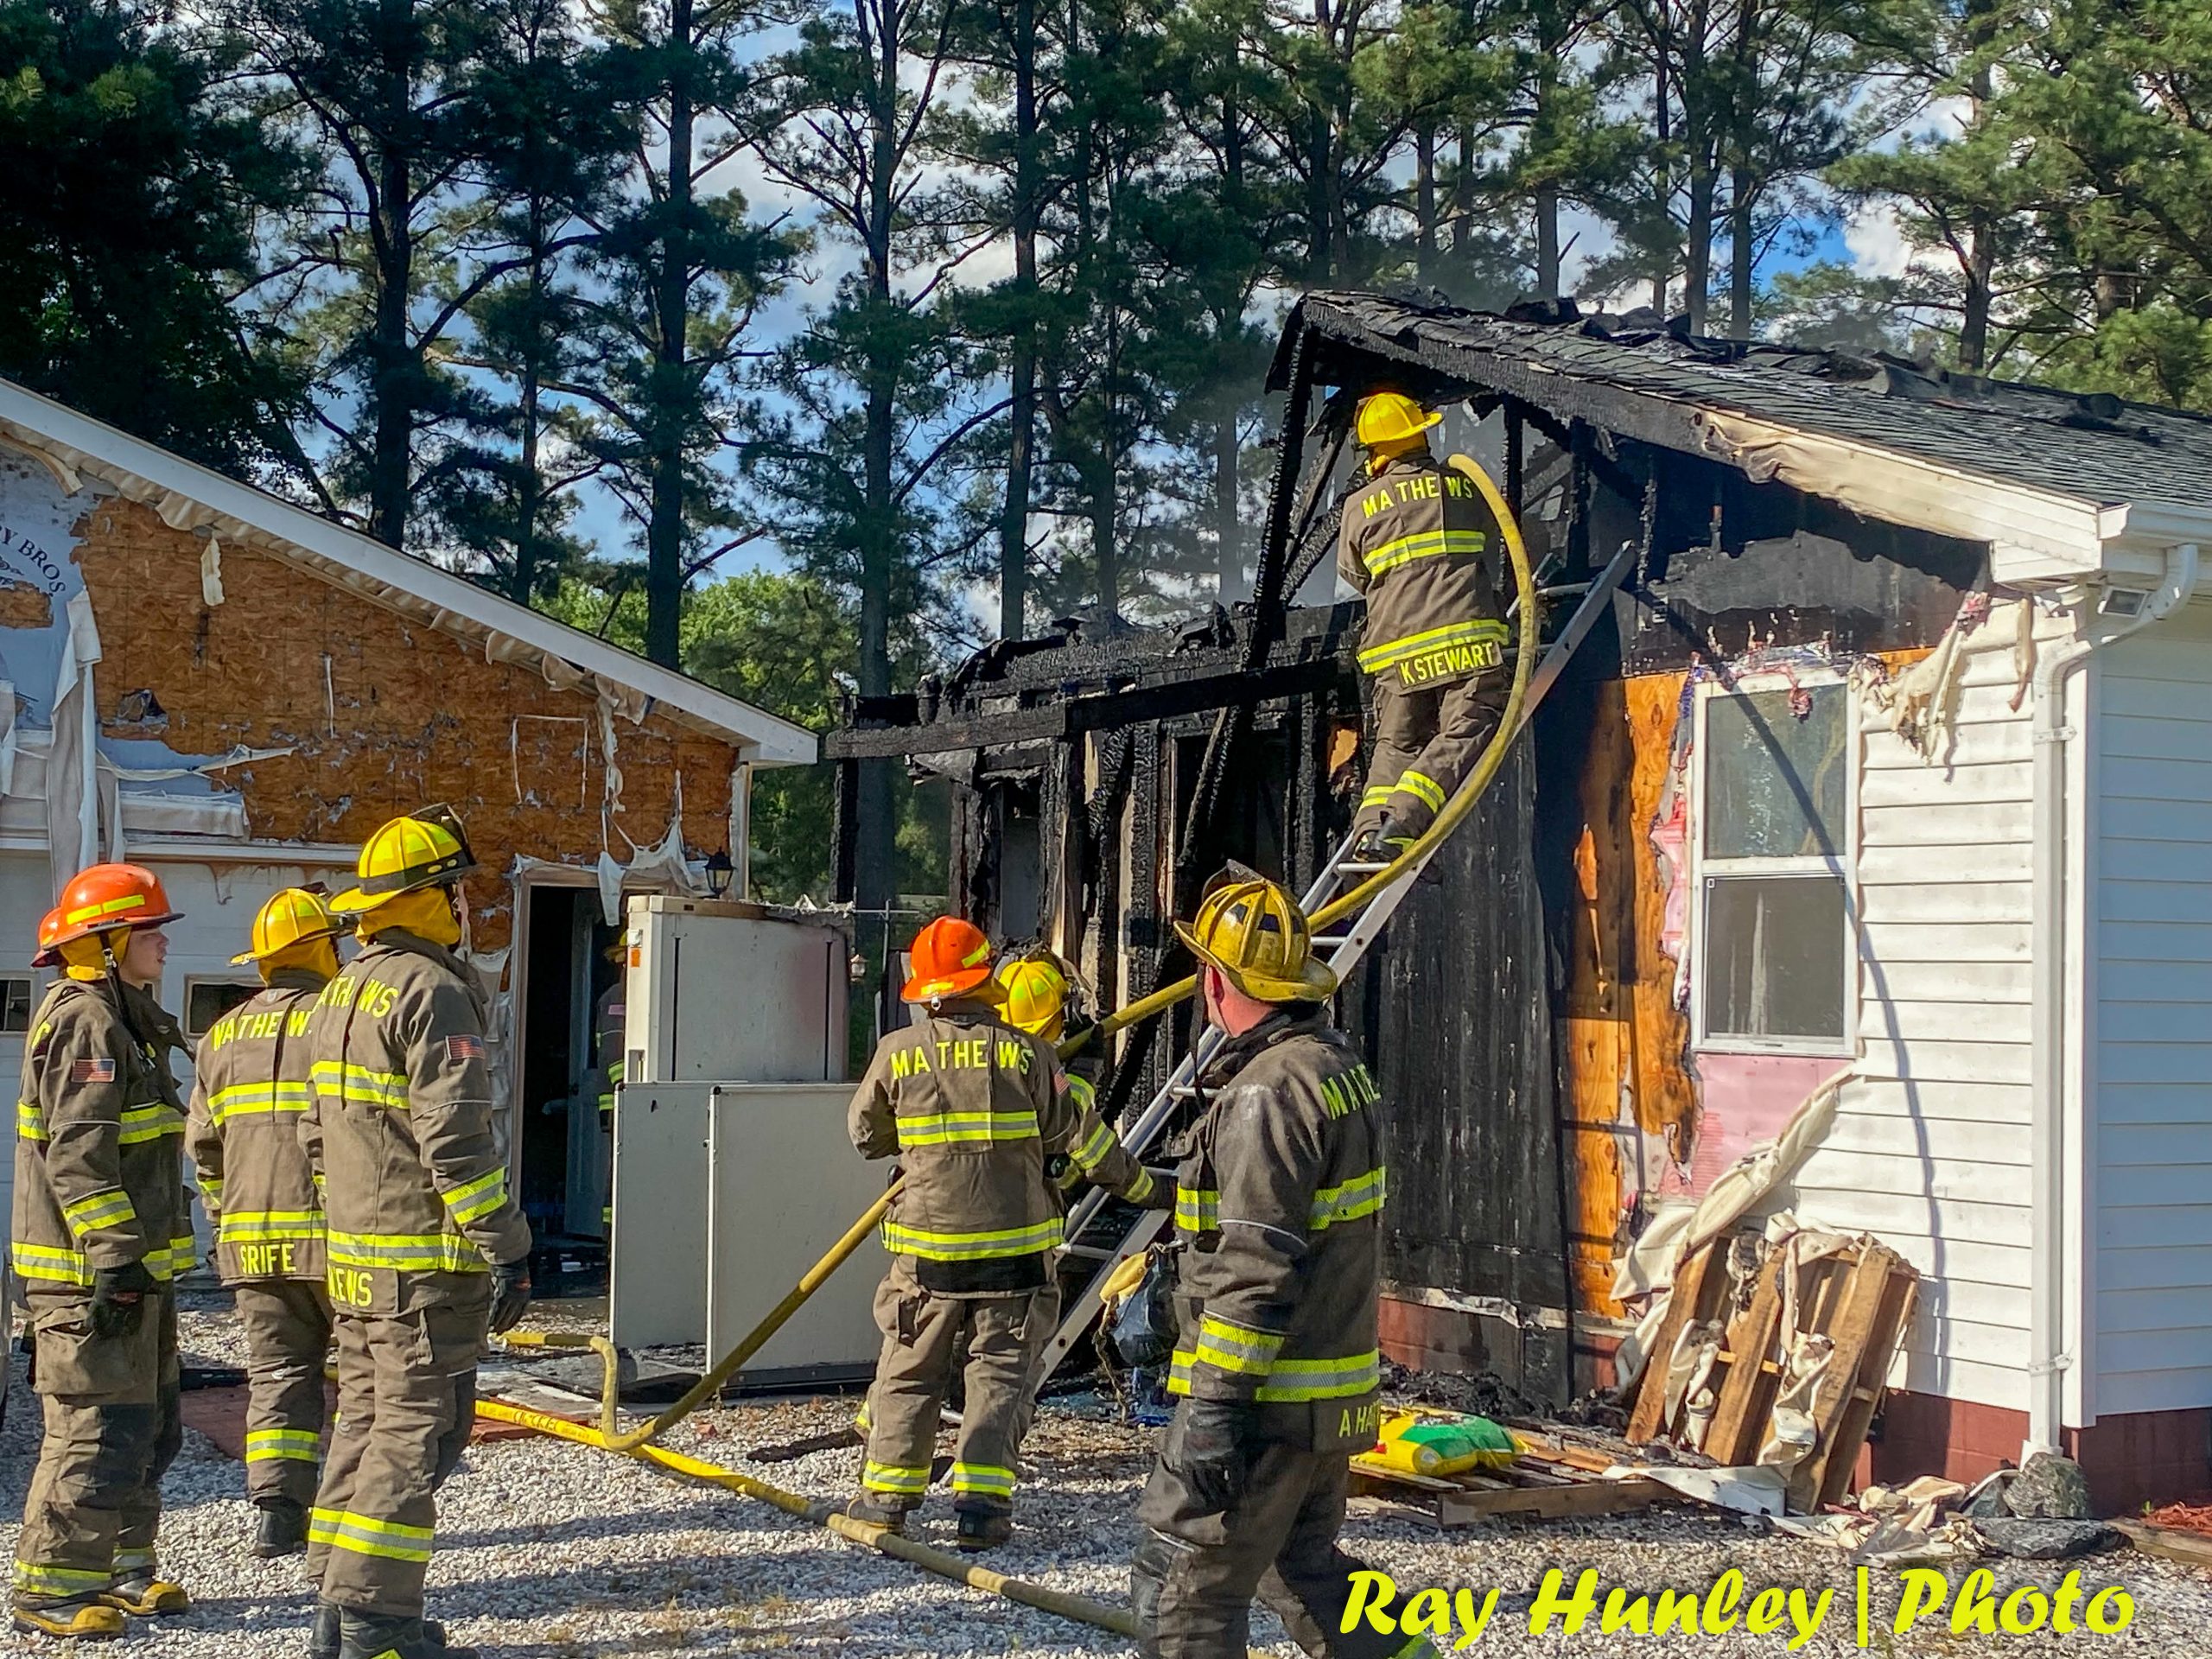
(1547, 254)
(671, 370)
(1425, 202)
(1697, 249)
(1021, 377)
(1662, 181)
(1980, 265)
(879, 438)
(1228, 524)
(393, 370)
(528, 487)
(1741, 202)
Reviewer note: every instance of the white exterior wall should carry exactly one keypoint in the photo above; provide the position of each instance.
(1929, 1150)
(2148, 1028)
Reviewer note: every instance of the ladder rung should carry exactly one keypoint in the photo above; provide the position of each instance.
(1184, 1090)
(1330, 941)
(1361, 869)
(1090, 1252)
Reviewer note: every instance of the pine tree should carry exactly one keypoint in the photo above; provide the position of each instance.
(383, 87)
(878, 387)
(128, 208)
(677, 274)
(555, 144)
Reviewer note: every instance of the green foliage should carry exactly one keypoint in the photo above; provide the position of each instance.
(135, 175)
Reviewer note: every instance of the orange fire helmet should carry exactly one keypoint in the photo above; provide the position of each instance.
(49, 930)
(950, 958)
(106, 896)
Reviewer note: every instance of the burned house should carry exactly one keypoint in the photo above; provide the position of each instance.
(213, 682)
(1873, 814)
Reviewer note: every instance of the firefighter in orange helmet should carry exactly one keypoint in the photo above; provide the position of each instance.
(100, 1230)
(972, 1107)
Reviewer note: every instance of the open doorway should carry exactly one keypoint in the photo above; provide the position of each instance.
(568, 990)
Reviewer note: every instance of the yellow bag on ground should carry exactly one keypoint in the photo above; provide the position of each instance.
(1412, 1445)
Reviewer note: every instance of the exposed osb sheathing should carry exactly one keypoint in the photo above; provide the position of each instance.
(1625, 1039)
(384, 714)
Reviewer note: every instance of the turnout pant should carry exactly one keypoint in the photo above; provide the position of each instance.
(406, 1403)
(1196, 1571)
(1426, 741)
(112, 1432)
(922, 1333)
(288, 1340)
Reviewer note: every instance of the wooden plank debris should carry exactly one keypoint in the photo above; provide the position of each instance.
(1550, 1481)
(1860, 1298)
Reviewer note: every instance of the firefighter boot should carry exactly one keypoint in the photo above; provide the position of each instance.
(1384, 844)
(279, 1528)
(879, 1510)
(86, 1618)
(381, 1636)
(982, 1529)
(144, 1596)
(323, 1639)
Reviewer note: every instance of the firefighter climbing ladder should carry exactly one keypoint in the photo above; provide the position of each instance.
(1363, 895)
(1345, 945)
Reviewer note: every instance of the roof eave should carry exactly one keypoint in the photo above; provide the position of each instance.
(174, 487)
(2034, 535)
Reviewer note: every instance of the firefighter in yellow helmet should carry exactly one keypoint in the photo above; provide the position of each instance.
(1419, 542)
(99, 1230)
(427, 1247)
(1036, 991)
(1278, 1202)
(251, 1090)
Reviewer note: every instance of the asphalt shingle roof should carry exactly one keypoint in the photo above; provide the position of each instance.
(2094, 447)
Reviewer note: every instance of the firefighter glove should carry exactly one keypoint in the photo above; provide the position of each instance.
(118, 1295)
(510, 1295)
(1217, 1438)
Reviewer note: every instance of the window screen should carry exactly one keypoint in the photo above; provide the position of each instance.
(1774, 782)
(1774, 841)
(1774, 958)
(206, 1001)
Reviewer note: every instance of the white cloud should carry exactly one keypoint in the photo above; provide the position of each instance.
(1877, 240)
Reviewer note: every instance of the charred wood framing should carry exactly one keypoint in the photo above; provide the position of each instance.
(1144, 758)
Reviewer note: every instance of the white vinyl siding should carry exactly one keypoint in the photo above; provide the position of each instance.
(1930, 1148)
(2149, 997)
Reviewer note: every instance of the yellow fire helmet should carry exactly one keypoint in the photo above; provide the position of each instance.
(1391, 418)
(1253, 930)
(426, 849)
(292, 916)
(1036, 995)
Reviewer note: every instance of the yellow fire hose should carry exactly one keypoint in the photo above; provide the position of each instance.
(823, 1513)
(637, 1442)
(1462, 803)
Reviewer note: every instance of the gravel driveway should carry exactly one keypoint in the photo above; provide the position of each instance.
(552, 1551)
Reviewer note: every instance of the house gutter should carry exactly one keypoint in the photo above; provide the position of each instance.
(2049, 1060)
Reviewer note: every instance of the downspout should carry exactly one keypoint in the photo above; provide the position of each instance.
(2047, 1362)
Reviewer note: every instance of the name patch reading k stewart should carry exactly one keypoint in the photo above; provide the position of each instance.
(464, 1048)
(100, 1071)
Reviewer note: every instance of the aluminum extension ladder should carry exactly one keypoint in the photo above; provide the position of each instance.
(1345, 945)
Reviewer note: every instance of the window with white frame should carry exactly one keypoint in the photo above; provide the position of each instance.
(1773, 929)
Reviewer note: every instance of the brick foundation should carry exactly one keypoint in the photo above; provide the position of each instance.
(2144, 1458)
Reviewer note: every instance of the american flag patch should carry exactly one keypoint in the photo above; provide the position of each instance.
(102, 1071)
(459, 1049)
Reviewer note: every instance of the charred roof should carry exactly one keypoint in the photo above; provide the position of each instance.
(1640, 376)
